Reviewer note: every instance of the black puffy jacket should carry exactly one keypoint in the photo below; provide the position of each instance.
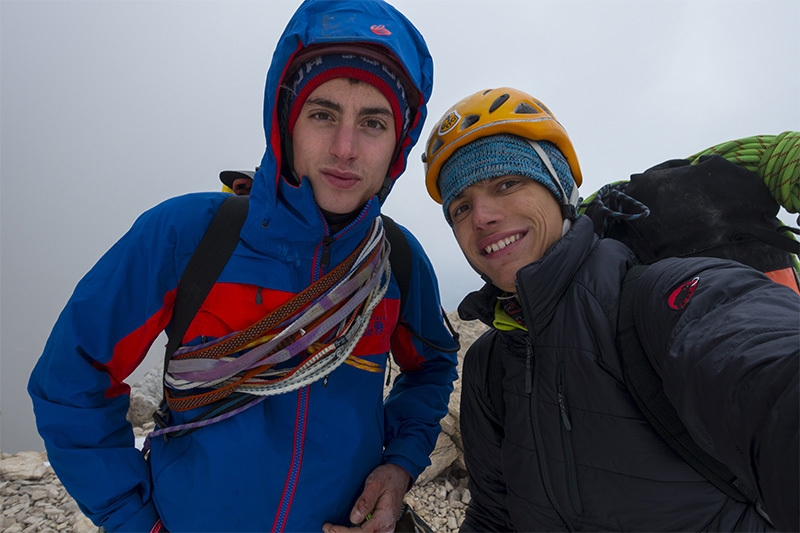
(573, 451)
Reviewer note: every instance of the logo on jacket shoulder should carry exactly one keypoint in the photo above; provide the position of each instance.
(379, 29)
(679, 298)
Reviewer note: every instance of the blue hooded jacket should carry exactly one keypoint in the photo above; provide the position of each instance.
(296, 460)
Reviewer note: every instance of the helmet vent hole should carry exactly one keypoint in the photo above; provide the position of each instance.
(469, 120)
(544, 108)
(437, 143)
(526, 109)
(500, 100)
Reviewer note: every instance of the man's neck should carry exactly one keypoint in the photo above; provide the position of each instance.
(338, 221)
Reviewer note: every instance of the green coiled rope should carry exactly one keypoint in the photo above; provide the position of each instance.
(774, 158)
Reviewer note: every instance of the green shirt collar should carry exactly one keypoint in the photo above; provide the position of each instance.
(503, 321)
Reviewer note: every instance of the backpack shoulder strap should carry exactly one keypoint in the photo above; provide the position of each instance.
(399, 257)
(646, 388)
(205, 266)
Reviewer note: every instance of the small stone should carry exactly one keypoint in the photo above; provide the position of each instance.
(22, 466)
(82, 524)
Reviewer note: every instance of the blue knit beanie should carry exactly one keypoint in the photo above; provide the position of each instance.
(501, 155)
(324, 68)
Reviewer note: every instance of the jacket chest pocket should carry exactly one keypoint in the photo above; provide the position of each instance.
(566, 440)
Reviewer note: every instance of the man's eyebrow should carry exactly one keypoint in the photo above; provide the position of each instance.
(364, 111)
(385, 111)
(323, 102)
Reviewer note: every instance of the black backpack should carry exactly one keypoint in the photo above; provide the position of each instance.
(713, 208)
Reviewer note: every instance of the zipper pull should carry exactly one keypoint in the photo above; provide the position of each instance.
(258, 296)
(326, 252)
(562, 405)
(529, 369)
(389, 368)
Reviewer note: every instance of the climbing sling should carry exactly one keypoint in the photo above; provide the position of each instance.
(233, 384)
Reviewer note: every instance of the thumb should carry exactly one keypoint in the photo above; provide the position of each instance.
(363, 507)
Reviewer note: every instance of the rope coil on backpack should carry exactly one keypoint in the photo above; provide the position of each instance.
(774, 158)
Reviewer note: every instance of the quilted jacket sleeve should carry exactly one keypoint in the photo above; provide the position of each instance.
(726, 342)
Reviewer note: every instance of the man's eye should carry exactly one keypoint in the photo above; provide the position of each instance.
(458, 210)
(375, 124)
(320, 115)
(507, 184)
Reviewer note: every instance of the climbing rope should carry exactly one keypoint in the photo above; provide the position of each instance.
(774, 158)
(299, 343)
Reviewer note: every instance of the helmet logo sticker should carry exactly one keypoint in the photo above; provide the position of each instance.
(379, 29)
(679, 298)
(449, 122)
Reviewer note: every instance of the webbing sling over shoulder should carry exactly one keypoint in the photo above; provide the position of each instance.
(216, 247)
(213, 253)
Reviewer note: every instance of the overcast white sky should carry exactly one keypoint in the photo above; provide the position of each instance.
(109, 107)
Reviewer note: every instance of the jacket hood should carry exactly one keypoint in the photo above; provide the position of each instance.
(335, 21)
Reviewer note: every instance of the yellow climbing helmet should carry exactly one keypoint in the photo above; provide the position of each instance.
(492, 112)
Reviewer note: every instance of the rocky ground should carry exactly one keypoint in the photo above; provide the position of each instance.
(33, 499)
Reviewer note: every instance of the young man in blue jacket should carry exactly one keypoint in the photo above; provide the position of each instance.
(553, 439)
(297, 328)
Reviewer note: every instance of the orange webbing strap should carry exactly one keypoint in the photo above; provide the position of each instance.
(784, 276)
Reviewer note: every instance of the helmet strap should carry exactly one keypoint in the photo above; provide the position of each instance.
(569, 211)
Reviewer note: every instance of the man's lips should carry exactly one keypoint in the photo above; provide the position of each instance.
(499, 244)
(340, 178)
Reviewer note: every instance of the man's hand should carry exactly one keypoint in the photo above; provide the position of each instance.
(378, 506)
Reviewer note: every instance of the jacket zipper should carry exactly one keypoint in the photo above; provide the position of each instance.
(566, 441)
(325, 260)
(534, 413)
(537, 436)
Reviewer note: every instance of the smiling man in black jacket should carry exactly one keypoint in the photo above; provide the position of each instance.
(562, 445)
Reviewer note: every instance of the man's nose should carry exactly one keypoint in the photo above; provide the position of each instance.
(344, 143)
(486, 210)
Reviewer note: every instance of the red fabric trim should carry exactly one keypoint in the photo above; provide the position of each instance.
(383, 320)
(784, 276)
(131, 350)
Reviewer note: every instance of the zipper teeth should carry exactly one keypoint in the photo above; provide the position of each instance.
(569, 456)
(294, 468)
(541, 456)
